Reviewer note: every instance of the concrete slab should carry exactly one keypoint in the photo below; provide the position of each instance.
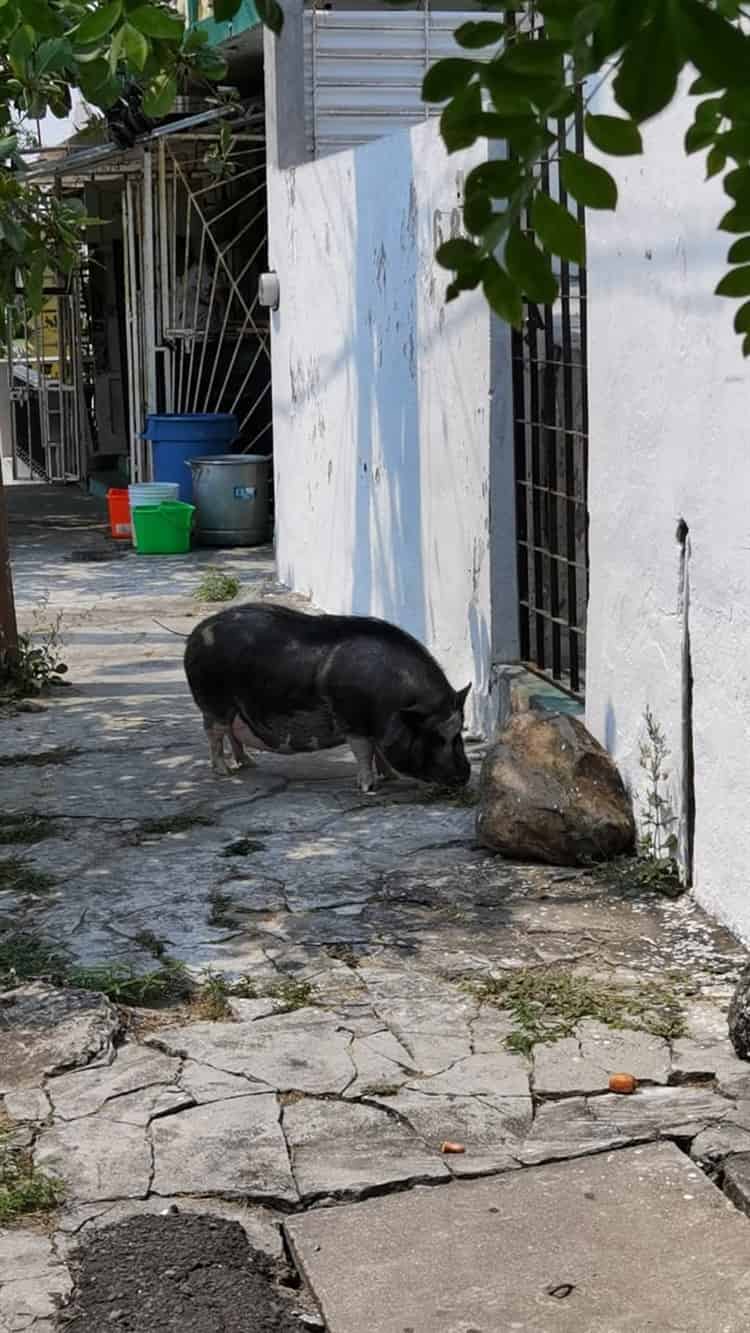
(533, 1251)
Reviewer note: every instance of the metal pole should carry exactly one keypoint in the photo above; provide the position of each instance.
(149, 286)
(8, 626)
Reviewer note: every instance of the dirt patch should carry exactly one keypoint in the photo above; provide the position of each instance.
(194, 1273)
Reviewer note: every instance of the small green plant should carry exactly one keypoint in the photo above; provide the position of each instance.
(123, 985)
(658, 841)
(292, 994)
(25, 955)
(216, 586)
(151, 943)
(25, 830)
(23, 1188)
(17, 875)
(211, 997)
(38, 663)
(546, 1004)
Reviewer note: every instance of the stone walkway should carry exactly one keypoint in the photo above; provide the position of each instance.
(367, 939)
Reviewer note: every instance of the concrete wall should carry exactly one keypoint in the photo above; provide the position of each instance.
(669, 398)
(383, 401)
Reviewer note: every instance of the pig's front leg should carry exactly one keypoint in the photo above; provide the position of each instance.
(363, 751)
(216, 731)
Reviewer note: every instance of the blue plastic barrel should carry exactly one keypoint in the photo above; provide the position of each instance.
(176, 437)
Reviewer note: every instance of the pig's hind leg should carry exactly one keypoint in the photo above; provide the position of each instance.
(242, 758)
(216, 731)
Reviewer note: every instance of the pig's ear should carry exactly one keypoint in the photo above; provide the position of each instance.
(461, 696)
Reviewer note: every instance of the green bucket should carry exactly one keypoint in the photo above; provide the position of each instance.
(163, 529)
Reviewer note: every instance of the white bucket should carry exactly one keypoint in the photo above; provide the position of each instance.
(151, 493)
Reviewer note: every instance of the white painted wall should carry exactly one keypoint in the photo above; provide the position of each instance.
(382, 398)
(669, 403)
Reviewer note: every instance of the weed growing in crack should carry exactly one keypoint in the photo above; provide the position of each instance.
(546, 1004)
(25, 955)
(216, 586)
(123, 985)
(25, 830)
(641, 874)
(210, 999)
(23, 1188)
(17, 875)
(38, 663)
(658, 841)
(461, 796)
(292, 994)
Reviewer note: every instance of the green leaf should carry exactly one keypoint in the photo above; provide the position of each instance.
(746, 345)
(477, 212)
(702, 85)
(530, 267)
(456, 253)
(13, 233)
(715, 46)
(535, 56)
(154, 21)
(614, 135)
(736, 142)
(97, 24)
(134, 46)
(588, 183)
(715, 162)
(54, 55)
(502, 293)
(558, 230)
(465, 281)
(621, 21)
(33, 283)
(735, 283)
(484, 33)
(210, 64)
(20, 48)
(224, 10)
(736, 221)
(697, 137)
(160, 96)
(270, 13)
(447, 78)
(647, 79)
(739, 253)
(737, 185)
(498, 178)
(742, 319)
(45, 20)
(460, 123)
(8, 145)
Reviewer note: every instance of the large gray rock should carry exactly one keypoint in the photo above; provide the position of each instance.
(549, 792)
(739, 1016)
(44, 1031)
(234, 1148)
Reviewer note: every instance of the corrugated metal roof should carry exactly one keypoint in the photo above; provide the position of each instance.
(364, 71)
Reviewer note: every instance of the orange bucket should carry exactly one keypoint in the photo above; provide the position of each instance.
(119, 513)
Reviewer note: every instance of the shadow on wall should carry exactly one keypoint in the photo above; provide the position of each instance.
(388, 576)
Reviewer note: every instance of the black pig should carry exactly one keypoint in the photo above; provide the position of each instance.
(274, 679)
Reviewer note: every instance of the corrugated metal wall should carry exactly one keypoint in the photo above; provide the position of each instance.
(364, 71)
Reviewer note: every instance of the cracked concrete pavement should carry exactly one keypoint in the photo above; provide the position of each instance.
(381, 910)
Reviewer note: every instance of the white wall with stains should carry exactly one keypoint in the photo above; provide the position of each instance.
(382, 400)
(669, 404)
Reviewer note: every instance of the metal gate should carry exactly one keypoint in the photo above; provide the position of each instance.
(550, 411)
(50, 375)
(195, 233)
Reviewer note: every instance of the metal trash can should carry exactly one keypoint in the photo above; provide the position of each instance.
(231, 497)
